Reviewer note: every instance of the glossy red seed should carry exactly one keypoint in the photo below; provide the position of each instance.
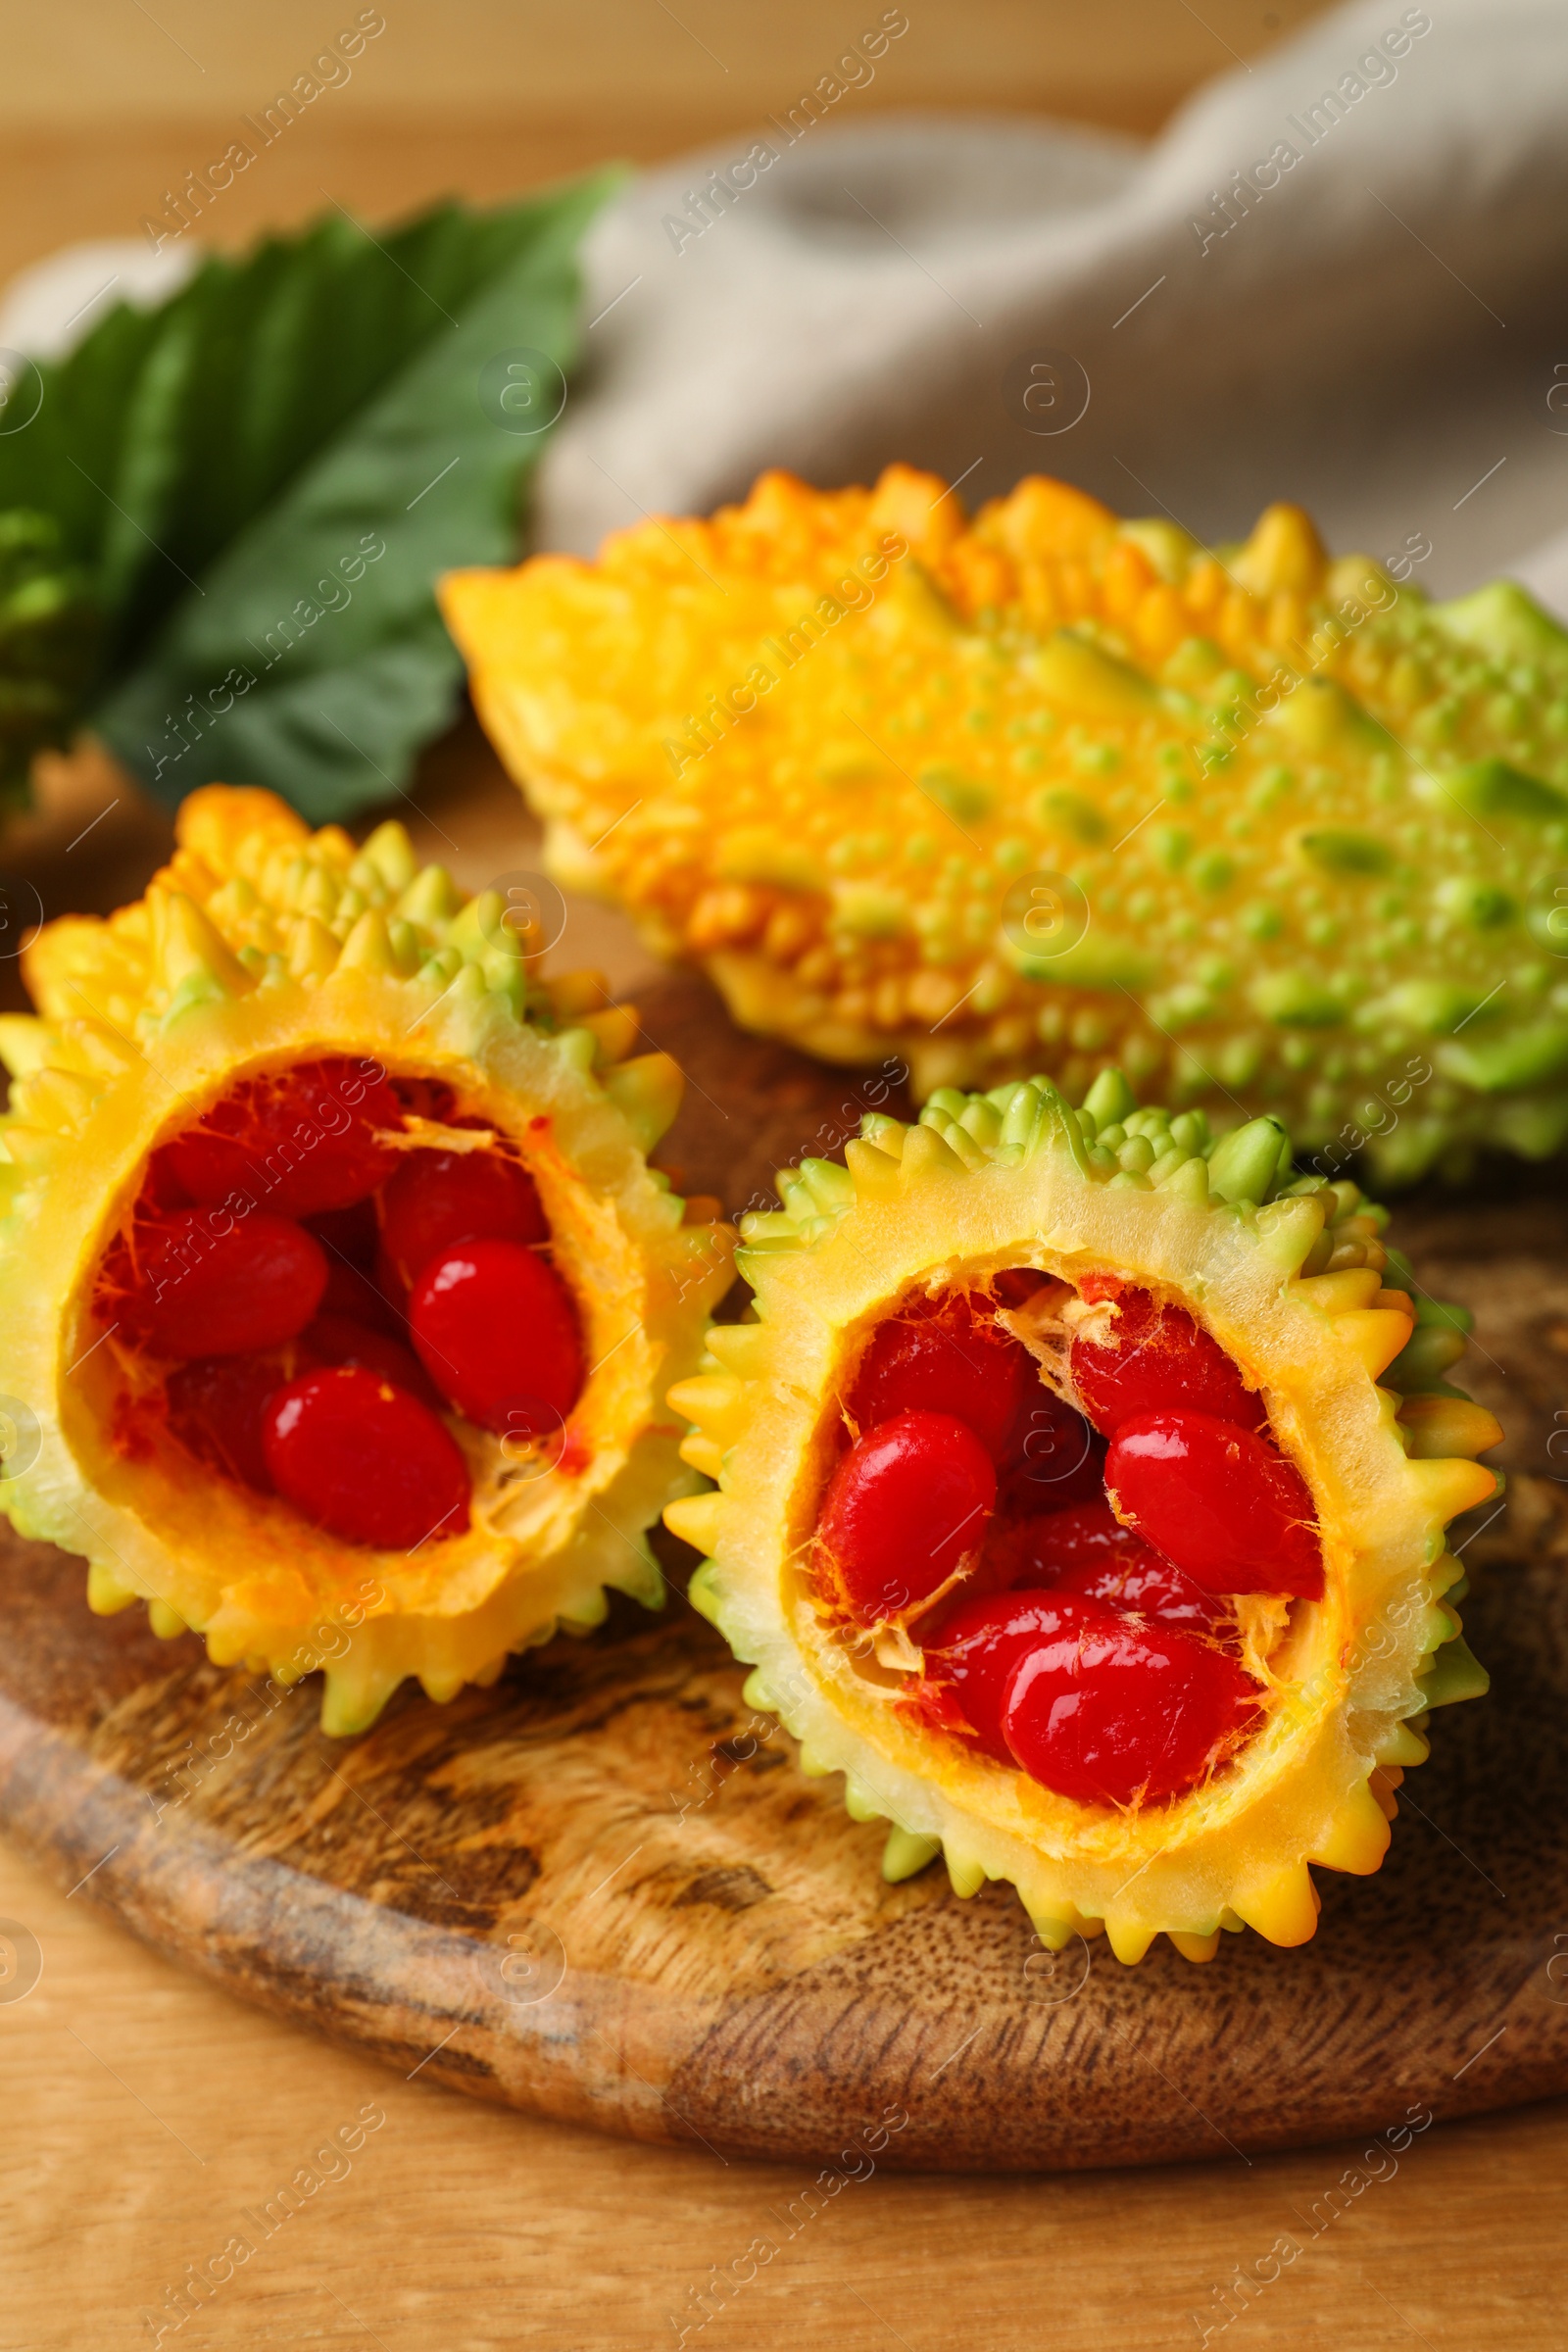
(965, 1680)
(1157, 1358)
(296, 1142)
(1219, 1501)
(216, 1408)
(1119, 1712)
(250, 1283)
(905, 1504)
(438, 1199)
(495, 1328)
(340, 1339)
(364, 1460)
(953, 1362)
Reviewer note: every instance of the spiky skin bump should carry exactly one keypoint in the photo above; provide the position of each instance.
(1287, 1274)
(1273, 779)
(262, 946)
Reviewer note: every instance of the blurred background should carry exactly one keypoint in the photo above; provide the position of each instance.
(1374, 328)
(106, 104)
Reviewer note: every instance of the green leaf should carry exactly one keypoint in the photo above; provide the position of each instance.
(48, 645)
(266, 477)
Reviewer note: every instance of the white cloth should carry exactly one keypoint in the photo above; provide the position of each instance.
(1376, 334)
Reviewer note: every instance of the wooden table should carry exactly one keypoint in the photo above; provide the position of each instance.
(146, 2113)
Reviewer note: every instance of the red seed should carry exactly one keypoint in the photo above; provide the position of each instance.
(1065, 1539)
(947, 1361)
(295, 1141)
(364, 1460)
(965, 1678)
(1140, 1581)
(1156, 1360)
(496, 1330)
(1219, 1501)
(1119, 1712)
(438, 1199)
(252, 1284)
(215, 1409)
(905, 1506)
(339, 1340)
(1085, 1550)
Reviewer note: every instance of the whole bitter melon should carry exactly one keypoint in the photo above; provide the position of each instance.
(1053, 790)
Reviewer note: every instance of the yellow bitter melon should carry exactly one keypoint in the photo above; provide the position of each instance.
(1024, 1217)
(260, 951)
(1050, 789)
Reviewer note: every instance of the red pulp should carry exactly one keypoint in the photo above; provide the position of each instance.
(216, 1406)
(296, 1142)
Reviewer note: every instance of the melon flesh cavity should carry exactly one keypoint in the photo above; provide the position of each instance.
(261, 951)
(1314, 1355)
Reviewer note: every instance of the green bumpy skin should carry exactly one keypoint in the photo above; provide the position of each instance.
(1287, 1273)
(1050, 789)
(261, 946)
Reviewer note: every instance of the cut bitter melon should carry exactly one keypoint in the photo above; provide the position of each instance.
(338, 1296)
(1081, 1493)
(1054, 789)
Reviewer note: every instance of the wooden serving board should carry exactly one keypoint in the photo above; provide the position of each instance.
(602, 1890)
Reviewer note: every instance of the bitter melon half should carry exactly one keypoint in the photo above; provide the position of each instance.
(1054, 789)
(337, 1294)
(1081, 1495)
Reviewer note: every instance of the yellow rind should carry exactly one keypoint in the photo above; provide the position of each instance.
(1316, 1785)
(145, 1019)
(1047, 788)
